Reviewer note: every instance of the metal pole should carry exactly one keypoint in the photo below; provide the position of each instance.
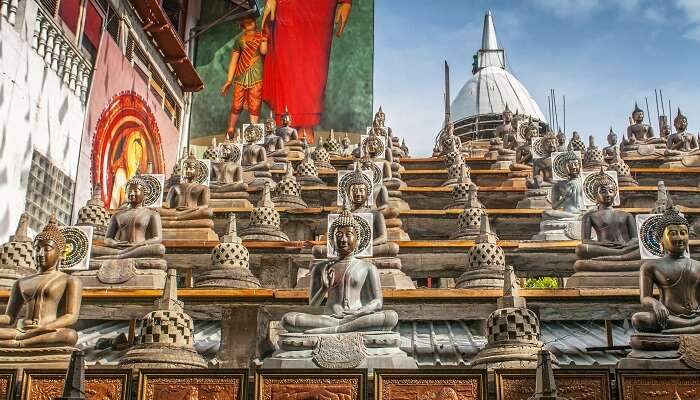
(658, 116)
(564, 97)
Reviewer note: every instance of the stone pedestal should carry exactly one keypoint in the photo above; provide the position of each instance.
(658, 352)
(161, 356)
(535, 199)
(230, 199)
(481, 278)
(189, 233)
(516, 179)
(625, 279)
(365, 350)
(141, 273)
(36, 358)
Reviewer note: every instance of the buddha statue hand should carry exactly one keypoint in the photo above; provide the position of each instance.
(660, 312)
(116, 243)
(328, 277)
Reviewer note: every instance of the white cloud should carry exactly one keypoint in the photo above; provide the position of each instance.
(569, 8)
(691, 9)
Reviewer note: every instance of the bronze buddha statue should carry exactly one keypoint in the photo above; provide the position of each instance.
(680, 144)
(640, 138)
(44, 325)
(609, 150)
(507, 125)
(274, 144)
(290, 136)
(256, 165)
(227, 188)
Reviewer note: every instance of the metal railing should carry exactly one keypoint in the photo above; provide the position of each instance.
(61, 54)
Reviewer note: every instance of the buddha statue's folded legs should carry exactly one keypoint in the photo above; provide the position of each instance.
(136, 251)
(384, 320)
(37, 338)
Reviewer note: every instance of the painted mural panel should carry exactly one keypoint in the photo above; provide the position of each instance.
(311, 57)
(126, 130)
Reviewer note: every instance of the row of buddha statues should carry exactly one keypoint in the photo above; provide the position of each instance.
(354, 318)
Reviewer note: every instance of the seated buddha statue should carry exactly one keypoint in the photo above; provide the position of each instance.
(274, 145)
(351, 287)
(523, 153)
(507, 125)
(345, 145)
(188, 215)
(542, 167)
(290, 136)
(227, 173)
(681, 143)
(668, 325)
(609, 150)
(132, 252)
(563, 220)
(612, 259)
(45, 325)
(640, 134)
(256, 165)
(561, 141)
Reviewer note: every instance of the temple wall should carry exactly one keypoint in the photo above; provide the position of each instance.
(38, 110)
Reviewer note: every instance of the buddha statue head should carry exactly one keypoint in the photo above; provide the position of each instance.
(270, 124)
(507, 115)
(229, 152)
(49, 246)
(136, 191)
(612, 137)
(344, 234)
(672, 230)
(530, 131)
(637, 114)
(373, 145)
(604, 188)
(680, 122)
(561, 138)
(549, 143)
(189, 169)
(572, 164)
(252, 133)
(356, 187)
(286, 119)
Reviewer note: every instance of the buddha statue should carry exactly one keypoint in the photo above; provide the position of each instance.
(175, 174)
(609, 151)
(561, 141)
(576, 144)
(256, 165)
(404, 148)
(512, 331)
(563, 221)
(640, 138)
(227, 188)
(44, 334)
(230, 266)
(668, 325)
(287, 192)
(166, 335)
(612, 259)
(132, 252)
(353, 316)
(290, 137)
(274, 145)
(355, 189)
(540, 182)
(188, 215)
(593, 158)
(17, 255)
(617, 164)
(469, 220)
(307, 173)
(94, 214)
(345, 145)
(265, 221)
(680, 144)
(507, 125)
(486, 261)
(523, 151)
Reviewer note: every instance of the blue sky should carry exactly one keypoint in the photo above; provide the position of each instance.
(602, 54)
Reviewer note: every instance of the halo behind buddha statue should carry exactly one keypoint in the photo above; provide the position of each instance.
(287, 192)
(265, 221)
(229, 263)
(485, 261)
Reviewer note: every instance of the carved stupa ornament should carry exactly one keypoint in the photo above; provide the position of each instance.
(230, 263)
(469, 220)
(593, 159)
(576, 144)
(460, 191)
(95, 214)
(321, 158)
(486, 261)
(166, 335)
(513, 331)
(212, 152)
(624, 175)
(307, 173)
(331, 145)
(287, 192)
(17, 255)
(264, 221)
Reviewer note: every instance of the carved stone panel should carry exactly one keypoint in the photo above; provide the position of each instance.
(99, 384)
(430, 385)
(658, 384)
(7, 384)
(575, 384)
(212, 384)
(290, 384)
